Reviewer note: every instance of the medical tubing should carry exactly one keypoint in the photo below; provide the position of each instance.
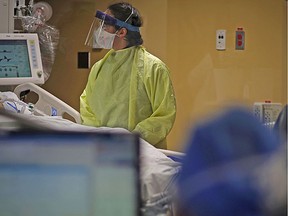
(15, 102)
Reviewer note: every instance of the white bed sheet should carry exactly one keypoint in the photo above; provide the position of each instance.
(157, 171)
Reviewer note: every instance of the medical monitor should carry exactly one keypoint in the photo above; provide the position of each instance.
(67, 173)
(20, 59)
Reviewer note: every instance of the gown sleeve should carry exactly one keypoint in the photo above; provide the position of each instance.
(87, 116)
(161, 95)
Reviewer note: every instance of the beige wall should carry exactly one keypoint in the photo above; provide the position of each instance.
(182, 33)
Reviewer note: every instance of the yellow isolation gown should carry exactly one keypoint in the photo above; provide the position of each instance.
(131, 89)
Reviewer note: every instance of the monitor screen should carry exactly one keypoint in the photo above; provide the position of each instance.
(14, 60)
(20, 59)
(83, 174)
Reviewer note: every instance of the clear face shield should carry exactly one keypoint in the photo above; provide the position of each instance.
(99, 37)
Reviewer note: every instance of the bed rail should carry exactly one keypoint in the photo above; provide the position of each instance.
(47, 103)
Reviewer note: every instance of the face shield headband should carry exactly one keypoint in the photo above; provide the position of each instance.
(109, 20)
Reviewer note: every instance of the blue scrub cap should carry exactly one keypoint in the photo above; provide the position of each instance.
(221, 157)
(109, 20)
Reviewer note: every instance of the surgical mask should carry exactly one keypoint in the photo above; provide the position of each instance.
(103, 39)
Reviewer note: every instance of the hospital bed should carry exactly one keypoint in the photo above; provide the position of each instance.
(159, 167)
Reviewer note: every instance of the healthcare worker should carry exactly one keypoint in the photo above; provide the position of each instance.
(129, 87)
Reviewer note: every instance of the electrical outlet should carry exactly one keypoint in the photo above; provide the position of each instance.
(221, 39)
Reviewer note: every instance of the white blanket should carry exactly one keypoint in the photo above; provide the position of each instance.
(156, 169)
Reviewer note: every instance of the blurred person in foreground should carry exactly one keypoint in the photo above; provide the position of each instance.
(234, 166)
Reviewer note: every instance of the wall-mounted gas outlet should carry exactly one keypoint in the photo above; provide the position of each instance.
(240, 39)
(221, 39)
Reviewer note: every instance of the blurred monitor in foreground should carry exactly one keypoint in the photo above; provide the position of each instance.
(64, 173)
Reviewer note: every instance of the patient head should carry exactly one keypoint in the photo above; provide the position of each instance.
(229, 167)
